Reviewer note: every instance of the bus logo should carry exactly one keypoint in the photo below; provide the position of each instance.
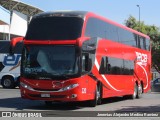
(141, 58)
(56, 84)
(11, 60)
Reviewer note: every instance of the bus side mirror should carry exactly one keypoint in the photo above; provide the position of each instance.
(13, 43)
(86, 62)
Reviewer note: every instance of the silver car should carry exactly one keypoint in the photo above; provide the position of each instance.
(155, 85)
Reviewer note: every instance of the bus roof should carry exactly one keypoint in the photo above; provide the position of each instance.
(83, 15)
(117, 24)
(68, 13)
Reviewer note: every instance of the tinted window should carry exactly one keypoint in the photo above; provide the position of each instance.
(49, 61)
(127, 37)
(112, 32)
(116, 66)
(55, 28)
(95, 28)
(147, 44)
(158, 80)
(4, 46)
(98, 28)
(143, 43)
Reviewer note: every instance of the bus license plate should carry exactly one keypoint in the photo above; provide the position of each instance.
(45, 95)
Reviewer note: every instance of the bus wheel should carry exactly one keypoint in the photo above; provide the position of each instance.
(99, 94)
(140, 91)
(97, 98)
(134, 95)
(7, 82)
(48, 103)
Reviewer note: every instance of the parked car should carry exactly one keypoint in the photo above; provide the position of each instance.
(155, 85)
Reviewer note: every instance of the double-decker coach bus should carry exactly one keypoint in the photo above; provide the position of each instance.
(80, 56)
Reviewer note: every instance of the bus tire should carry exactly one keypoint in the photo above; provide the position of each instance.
(99, 92)
(134, 95)
(139, 91)
(97, 98)
(8, 82)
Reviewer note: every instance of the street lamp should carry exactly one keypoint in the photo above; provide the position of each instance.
(139, 16)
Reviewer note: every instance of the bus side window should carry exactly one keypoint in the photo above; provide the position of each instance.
(86, 63)
(102, 67)
(139, 42)
(105, 67)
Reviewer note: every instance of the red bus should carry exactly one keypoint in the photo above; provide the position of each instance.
(80, 56)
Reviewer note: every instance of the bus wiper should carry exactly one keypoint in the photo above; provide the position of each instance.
(64, 75)
(53, 75)
(44, 78)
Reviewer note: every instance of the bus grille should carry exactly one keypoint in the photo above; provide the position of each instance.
(52, 96)
(39, 89)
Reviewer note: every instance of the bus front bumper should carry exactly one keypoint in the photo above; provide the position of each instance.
(72, 94)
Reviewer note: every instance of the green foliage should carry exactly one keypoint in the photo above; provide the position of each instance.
(153, 32)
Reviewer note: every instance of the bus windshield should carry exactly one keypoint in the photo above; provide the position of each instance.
(48, 62)
(54, 28)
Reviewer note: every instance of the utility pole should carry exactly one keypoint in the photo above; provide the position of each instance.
(139, 17)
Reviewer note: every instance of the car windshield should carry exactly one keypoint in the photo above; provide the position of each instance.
(54, 28)
(46, 62)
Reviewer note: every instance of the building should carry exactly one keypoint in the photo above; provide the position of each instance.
(14, 18)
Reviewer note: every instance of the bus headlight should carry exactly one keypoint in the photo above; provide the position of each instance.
(26, 86)
(69, 87)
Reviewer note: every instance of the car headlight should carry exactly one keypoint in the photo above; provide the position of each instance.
(69, 87)
(26, 86)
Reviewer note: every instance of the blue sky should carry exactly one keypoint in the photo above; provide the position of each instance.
(116, 10)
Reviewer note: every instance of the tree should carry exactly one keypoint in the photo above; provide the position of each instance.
(153, 32)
